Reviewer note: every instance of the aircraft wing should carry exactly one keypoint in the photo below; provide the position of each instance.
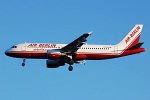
(76, 44)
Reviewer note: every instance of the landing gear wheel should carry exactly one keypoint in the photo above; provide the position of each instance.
(70, 68)
(23, 64)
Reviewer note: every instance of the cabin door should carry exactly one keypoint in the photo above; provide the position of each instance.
(23, 48)
(116, 49)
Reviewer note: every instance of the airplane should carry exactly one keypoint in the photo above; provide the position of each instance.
(78, 51)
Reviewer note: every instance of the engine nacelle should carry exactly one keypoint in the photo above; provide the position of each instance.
(54, 63)
(54, 53)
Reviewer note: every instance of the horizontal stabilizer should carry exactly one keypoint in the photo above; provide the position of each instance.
(136, 46)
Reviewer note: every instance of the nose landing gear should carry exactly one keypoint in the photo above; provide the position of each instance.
(23, 64)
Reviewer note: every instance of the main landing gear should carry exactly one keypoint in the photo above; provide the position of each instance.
(23, 64)
(70, 63)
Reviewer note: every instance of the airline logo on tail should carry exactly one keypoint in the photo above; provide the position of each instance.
(132, 34)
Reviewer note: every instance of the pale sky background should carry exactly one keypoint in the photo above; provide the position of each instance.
(62, 21)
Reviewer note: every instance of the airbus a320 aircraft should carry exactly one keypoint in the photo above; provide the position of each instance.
(75, 52)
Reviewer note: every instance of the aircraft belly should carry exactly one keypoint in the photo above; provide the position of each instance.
(28, 54)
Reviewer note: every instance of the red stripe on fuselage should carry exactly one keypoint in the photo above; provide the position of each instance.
(27, 54)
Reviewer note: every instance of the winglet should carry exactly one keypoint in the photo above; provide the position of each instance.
(90, 33)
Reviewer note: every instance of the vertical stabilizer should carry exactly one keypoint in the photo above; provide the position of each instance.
(131, 39)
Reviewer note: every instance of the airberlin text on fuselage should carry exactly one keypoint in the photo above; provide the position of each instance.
(132, 34)
(42, 45)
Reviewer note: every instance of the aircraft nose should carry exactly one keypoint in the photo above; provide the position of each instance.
(7, 52)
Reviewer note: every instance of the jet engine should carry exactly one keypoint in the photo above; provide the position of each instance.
(55, 53)
(54, 63)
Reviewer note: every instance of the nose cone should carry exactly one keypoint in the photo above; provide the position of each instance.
(7, 52)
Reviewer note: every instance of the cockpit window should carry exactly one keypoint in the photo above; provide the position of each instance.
(14, 46)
